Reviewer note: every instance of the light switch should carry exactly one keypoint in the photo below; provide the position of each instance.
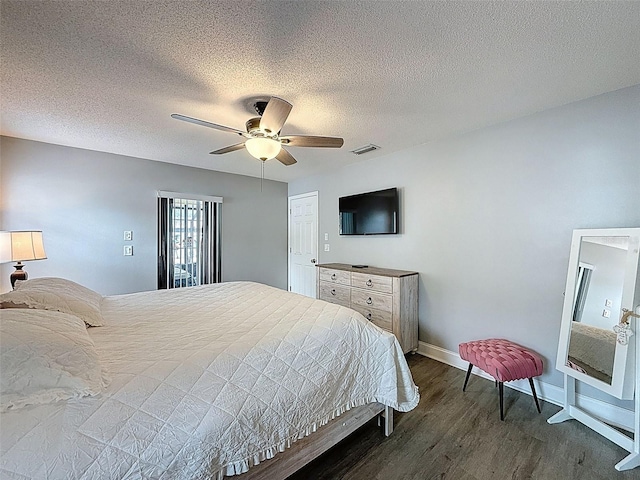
(128, 250)
(326, 237)
(608, 303)
(606, 313)
(326, 247)
(128, 235)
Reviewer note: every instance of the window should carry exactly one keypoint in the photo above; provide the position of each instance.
(189, 249)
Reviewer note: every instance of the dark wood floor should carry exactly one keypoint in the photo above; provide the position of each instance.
(459, 436)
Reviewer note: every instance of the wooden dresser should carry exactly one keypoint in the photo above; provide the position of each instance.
(388, 298)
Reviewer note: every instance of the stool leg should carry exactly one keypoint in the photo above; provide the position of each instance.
(467, 377)
(501, 389)
(535, 397)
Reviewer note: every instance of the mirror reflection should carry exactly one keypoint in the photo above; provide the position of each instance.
(596, 306)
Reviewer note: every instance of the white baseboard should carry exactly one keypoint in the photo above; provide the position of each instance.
(611, 414)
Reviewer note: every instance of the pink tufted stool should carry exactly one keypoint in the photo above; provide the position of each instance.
(503, 360)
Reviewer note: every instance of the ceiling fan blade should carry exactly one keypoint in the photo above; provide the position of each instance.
(184, 118)
(285, 158)
(274, 116)
(232, 148)
(311, 141)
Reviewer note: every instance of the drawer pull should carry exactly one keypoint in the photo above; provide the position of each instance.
(369, 283)
(333, 291)
(369, 316)
(333, 276)
(369, 301)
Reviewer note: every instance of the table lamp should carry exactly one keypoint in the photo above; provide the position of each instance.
(21, 246)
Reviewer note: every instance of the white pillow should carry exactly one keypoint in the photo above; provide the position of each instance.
(57, 294)
(46, 357)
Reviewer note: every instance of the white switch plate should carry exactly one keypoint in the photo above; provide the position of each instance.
(128, 250)
(326, 247)
(606, 313)
(128, 235)
(326, 237)
(608, 303)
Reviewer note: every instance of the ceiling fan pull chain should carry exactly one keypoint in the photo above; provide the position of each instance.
(262, 176)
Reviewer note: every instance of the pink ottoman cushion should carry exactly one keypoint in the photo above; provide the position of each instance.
(503, 360)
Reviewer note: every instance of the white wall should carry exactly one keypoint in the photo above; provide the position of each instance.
(486, 218)
(607, 279)
(83, 200)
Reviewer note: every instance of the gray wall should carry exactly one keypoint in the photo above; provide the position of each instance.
(486, 218)
(83, 200)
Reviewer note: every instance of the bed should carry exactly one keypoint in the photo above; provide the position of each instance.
(592, 350)
(208, 382)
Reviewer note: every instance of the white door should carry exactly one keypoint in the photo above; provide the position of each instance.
(303, 243)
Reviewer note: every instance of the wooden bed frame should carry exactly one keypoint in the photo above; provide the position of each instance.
(309, 448)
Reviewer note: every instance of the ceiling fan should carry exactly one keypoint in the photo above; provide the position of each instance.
(263, 140)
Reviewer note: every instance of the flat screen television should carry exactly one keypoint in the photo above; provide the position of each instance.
(372, 213)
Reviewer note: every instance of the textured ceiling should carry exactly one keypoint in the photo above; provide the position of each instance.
(107, 75)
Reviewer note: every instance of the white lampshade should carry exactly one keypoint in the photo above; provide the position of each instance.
(21, 246)
(263, 148)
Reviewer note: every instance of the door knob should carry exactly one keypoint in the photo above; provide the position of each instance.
(313, 260)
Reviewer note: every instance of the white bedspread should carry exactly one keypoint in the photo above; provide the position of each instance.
(593, 346)
(207, 381)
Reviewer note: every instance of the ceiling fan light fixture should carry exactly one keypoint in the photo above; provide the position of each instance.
(263, 148)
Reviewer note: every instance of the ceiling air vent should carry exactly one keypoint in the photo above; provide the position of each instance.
(365, 149)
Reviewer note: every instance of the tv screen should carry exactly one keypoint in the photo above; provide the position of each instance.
(372, 213)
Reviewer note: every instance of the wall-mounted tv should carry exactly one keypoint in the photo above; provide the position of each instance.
(372, 213)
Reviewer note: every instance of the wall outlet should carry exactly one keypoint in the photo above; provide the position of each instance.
(326, 247)
(608, 303)
(128, 250)
(128, 235)
(326, 237)
(606, 313)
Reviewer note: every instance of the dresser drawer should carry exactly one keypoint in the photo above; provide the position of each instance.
(376, 283)
(378, 301)
(377, 317)
(335, 276)
(330, 292)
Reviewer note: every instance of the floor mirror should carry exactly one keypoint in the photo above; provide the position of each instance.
(599, 339)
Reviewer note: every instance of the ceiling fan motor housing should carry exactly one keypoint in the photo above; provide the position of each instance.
(253, 125)
(253, 128)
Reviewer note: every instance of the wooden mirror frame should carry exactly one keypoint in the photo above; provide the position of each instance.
(623, 376)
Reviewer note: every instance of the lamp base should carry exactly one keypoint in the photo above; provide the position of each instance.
(19, 274)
